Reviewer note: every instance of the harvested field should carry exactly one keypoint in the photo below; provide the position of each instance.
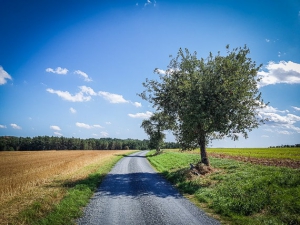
(265, 153)
(284, 157)
(261, 161)
(28, 175)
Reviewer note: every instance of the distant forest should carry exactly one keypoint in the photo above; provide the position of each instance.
(42, 143)
(286, 146)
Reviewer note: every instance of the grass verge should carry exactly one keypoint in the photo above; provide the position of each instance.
(241, 193)
(77, 195)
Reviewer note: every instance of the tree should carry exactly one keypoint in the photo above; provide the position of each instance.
(154, 127)
(207, 98)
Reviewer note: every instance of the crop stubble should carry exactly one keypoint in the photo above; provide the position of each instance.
(27, 175)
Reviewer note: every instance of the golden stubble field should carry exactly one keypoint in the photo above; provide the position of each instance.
(29, 175)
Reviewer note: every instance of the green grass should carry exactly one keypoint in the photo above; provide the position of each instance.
(271, 153)
(240, 193)
(70, 207)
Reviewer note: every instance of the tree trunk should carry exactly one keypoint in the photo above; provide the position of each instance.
(203, 153)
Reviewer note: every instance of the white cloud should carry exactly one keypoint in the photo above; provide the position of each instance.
(58, 70)
(2, 126)
(108, 123)
(160, 71)
(296, 108)
(141, 115)
(87, 90)
(55, 127)
(87, 126)
(284, 132)
(84, 75)
(57, 133)
(149, 3)
(3, 76)
(83, 125)
(83, 96)
(282, 72)
(72, 110)
(271, 109)
(137, 104)
(283, 124)
(79, 97)
(112, 98)
(15, 126)
(267, 40)
(264, 136)
(104, 134)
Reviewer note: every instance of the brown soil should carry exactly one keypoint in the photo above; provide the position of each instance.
(261, 161)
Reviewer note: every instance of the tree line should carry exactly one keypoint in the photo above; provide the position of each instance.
(286, 146)
(42, 143)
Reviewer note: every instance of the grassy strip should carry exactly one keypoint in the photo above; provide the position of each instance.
(70, 207)
(241, 193)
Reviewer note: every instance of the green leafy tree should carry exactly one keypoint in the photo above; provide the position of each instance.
(154, 127)
(208, 98)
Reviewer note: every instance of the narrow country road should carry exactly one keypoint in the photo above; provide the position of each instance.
(133, 193)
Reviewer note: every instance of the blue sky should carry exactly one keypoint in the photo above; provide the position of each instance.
(74, 68)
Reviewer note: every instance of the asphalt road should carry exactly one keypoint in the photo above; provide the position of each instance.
(133, 193)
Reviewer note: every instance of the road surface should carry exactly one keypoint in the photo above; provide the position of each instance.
(133, 193)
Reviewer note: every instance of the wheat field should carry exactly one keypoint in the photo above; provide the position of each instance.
(27, 175)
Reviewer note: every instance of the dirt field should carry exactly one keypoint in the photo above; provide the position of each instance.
(261, 161)
(26, 176)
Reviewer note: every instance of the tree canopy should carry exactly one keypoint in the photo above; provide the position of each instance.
(154, 127)
(207, 98)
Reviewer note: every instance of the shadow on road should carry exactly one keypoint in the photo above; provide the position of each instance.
(136, 185)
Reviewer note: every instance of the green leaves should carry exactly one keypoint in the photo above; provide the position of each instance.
(218, 94)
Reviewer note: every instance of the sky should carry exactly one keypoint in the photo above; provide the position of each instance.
(73, 68)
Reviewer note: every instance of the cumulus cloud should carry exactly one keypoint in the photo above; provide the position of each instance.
(148, 2)
(83, 95)
(15, 126)
(87, 126)
(280, 121)
(108, 123)
(145, 115)
(72, 110)
(160, 71)
(84, 75)
(267, 40)
(55, 128)
(296, 108)
(83, 125)
(2, 126)
(104, 134)
(79, 97)
(112, 98)
(57, 133)
(58, 70)
(282, 72)
(3, 76)
(137, 104)
(87, 90)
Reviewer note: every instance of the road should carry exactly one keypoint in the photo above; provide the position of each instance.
(133, 193)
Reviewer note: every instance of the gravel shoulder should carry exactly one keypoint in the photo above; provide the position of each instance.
(133, 193)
